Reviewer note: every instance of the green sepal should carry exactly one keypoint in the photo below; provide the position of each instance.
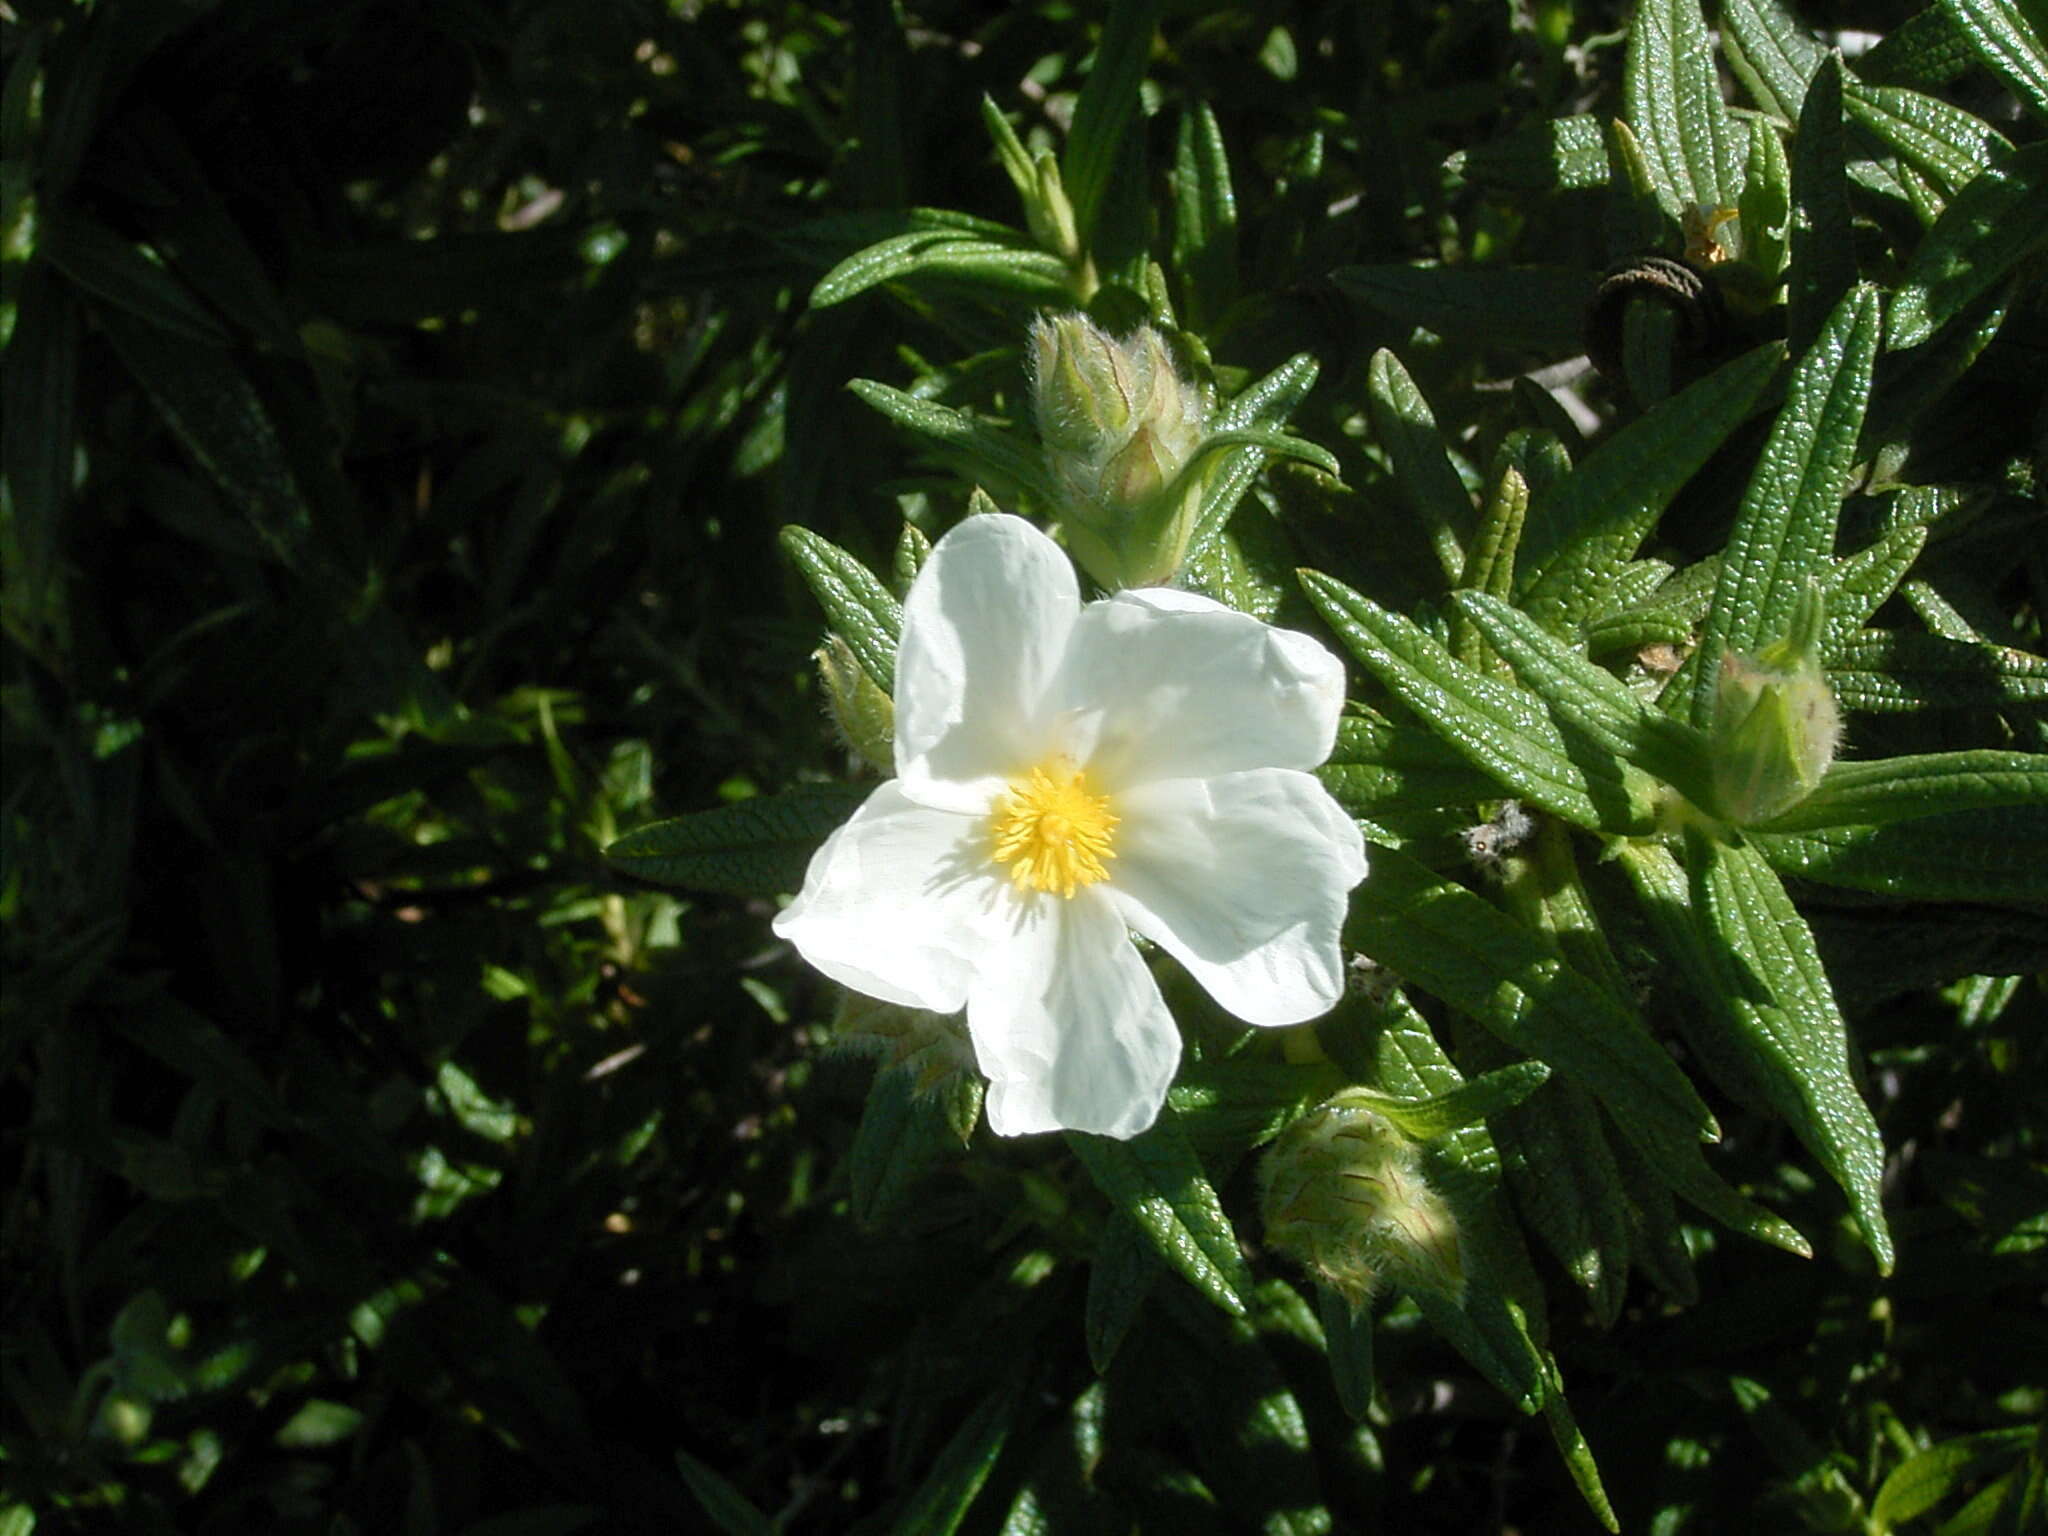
(1503, 729)
(859, 609)
(756, 847)
(1156, 1181)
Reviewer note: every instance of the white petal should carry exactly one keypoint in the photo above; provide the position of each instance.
(901, 903)
(1068, 1024)
(1242, 879)
(1167, 685)
(984, 626)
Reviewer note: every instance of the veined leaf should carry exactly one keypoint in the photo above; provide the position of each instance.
(860, 610)
(981, 452)
(1535, 309)
(1264, 405)
(752, 848)
(1563, 154)
(1887, 671)
(1397, 780)
(1996, 222)
(1822, 266)
(1775, 991)
(1616, 494)
(1900, 788)
(1946, 144)
(1771, 53)
(1468, 1104)
(902, 1134)
(942, 1500)
(1156, 1181)
(1949, 1466)
(118, 272)
(1406, 429)
(1925, 51)
(1784, 532)
(1107, 109)
(1014, 265)
(1977, 855)
(2010, 42)
(1503, 729)
(1120, 1277)
(723, 1504)
(1347, 1335)
(1205, 218)
(1490, 563)
(1672, 94)
(1857, 585)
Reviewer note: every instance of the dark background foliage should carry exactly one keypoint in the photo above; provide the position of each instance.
(402, 400)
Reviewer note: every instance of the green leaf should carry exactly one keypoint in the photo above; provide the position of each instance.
(1998, 221)
(1503, 729)
(1976, 855)
(948, 1491)
(1948, 1467)
(1205, 219)
(1530, 309)
(1784, 531)
(124, 275)
(1014, 266)
(2010, 42)
(1925, 51)
(902, 1133)
(982, 453)
(1823, 251)
(1406, 429)
(859, 609)
(1395, 778)
(1490, 563)
(1775, 994)
(1568, 1187)
(1347, 1335)
(1903, 671)
(1156, 1181)
(1615, 496)
(1107, 112)
(726, 1507)
(1857, 585)
(1589, 703)
(39, 390)
(1771, 53)
(1563, 154)
(1578, 1455)
(1471, 1102)
(1672, 97)
(1119, 1279)
(1946, 144)
(752, 848)
(1900, 788)
(1265, 404)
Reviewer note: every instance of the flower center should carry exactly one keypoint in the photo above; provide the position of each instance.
(1051, 830)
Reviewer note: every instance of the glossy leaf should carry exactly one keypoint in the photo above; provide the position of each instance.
(2010, 42)
(859, 609)
(755, 847)
(1407, 432)
(1673, 96)
(1992, 227)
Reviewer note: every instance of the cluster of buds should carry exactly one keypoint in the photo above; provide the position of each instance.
(1776, 725)
(1121, 430)
(1345, 1195)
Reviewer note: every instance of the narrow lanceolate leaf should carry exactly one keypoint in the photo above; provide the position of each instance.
(902, 1134)
(1578, 1455)
(1979, 855)
(1120, 1277)
(1347, 1334)
(1772, 53)
(729, 1510)
(979, 451)
(1503, 729)
(1901, 788)
(1920, 1482)
(1589, 703)
(1490, 563)
(1406, 429)
(1614, 497)
(1264, 405)
(1468, 1104)
(1998, 221)
(1534, 309)
(1945, 144)
(38, 424)
(1672, 93)
(861, 611)
(1156, 1181)
(1204, 219)
(1886, 671)
(1465, 950)
(942, 1500)
(117, 272)
(1013, 265)
(1776, 992)
(1568, 1186)
(1925, 51)
(753, 848)
(1784, 532)
(1823, 252)
(1107, 109)
(1857, 585)
(1402, 782)
(2010, 42)
(1560, 155)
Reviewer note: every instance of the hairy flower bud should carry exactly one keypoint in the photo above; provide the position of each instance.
(1346, 1196)
(1120, 426)
(1776, 725)
(865, 715)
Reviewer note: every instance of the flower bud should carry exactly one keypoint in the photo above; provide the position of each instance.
(1776, 725)
(1345, 1195)
(1120, 426)
(865, 715)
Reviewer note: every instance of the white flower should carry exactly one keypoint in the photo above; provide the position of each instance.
(1067, 775)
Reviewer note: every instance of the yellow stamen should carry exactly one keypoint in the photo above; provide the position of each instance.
(1052, 831)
